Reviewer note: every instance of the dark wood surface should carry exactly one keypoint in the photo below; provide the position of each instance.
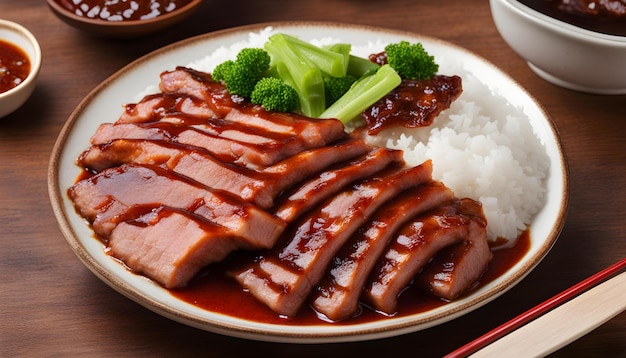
(51, 305)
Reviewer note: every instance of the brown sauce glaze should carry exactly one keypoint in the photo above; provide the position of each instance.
(14, 66)
(122, 10)
(213, 291)
(608, 17)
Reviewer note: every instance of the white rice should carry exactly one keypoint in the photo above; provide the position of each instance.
(481, 147)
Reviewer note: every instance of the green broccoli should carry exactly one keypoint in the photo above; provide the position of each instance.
(241, 75)
(363, 93)
(275, 95)
(305, 78)
(335, 87)
(411, 61)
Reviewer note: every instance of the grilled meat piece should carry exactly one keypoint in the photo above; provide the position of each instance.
(416, 244)
(113, 195)
(414, 103)
(337, 296)
(283, 277)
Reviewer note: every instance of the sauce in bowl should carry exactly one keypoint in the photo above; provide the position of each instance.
(14, 66)
(607, 17)
(121, 10)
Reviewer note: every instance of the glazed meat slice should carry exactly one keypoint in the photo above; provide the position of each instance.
(331, 181)
(316, 132)
(187, 81)
(283, 277)
(229, 145)
(155, 106)
(413, 103)
(170, 246)
(258, 187)
(194, 163)
(455, 269)
(338, 294)
(413, 247)
(110, 197)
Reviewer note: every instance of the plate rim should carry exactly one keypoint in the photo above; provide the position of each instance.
(290, 333)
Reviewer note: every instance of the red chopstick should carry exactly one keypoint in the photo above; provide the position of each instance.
(536, 311)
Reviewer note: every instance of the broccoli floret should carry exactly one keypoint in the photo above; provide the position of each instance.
(241, 75)
(411, 61)
(335, 87)
(362, 94)
(275, 95)
(221, 69)
(305, 78)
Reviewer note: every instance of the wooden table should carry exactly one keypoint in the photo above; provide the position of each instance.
(51, 305)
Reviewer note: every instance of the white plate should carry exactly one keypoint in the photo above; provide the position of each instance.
(104, 104)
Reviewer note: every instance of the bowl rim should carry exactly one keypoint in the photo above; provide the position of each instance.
(563, 27)
(123, 24)
(35, 60)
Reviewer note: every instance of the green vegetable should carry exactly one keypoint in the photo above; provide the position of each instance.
(334, 63)
(335, 87)
(241, 75)
(363, 93)
(275, 95)
(411, 61)
(299, 73)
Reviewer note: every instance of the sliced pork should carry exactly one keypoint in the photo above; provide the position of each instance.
(283, 277)
(109, 198)
(258, 187)
(331, 181)
(337, 296)
(415, 245)
(193, 83)
(170, 246)
(155, 106)
(456, 269)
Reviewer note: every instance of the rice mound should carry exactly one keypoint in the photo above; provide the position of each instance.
(481, 147)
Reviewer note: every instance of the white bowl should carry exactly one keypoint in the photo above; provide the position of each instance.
(563, 54)
(16, 34)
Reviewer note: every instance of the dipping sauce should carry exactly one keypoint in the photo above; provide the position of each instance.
(14, 66)
(121, 10)
(608, 16)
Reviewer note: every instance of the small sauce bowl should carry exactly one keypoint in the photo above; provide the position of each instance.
(563, 53)
(18, 36)
(125, 28)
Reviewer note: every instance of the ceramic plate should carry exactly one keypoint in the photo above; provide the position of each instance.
(104, 104)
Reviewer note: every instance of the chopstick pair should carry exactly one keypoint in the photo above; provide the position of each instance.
(489, 343)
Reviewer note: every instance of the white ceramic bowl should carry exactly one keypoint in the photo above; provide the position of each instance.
(563, 54)
(16, 34)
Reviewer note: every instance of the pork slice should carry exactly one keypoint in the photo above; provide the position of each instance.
(158, 105)
(226, 150)
(283, 277)
(170, 246)
(331, 181)
(187, 81)
(313, 131)
(412, 248)
(197, 164)
(338, 294)
(110, 196)
(454, 270)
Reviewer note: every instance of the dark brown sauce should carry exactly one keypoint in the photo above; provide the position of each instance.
(123, 10)
(14, 66)
(214, 291)
(607, 17)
